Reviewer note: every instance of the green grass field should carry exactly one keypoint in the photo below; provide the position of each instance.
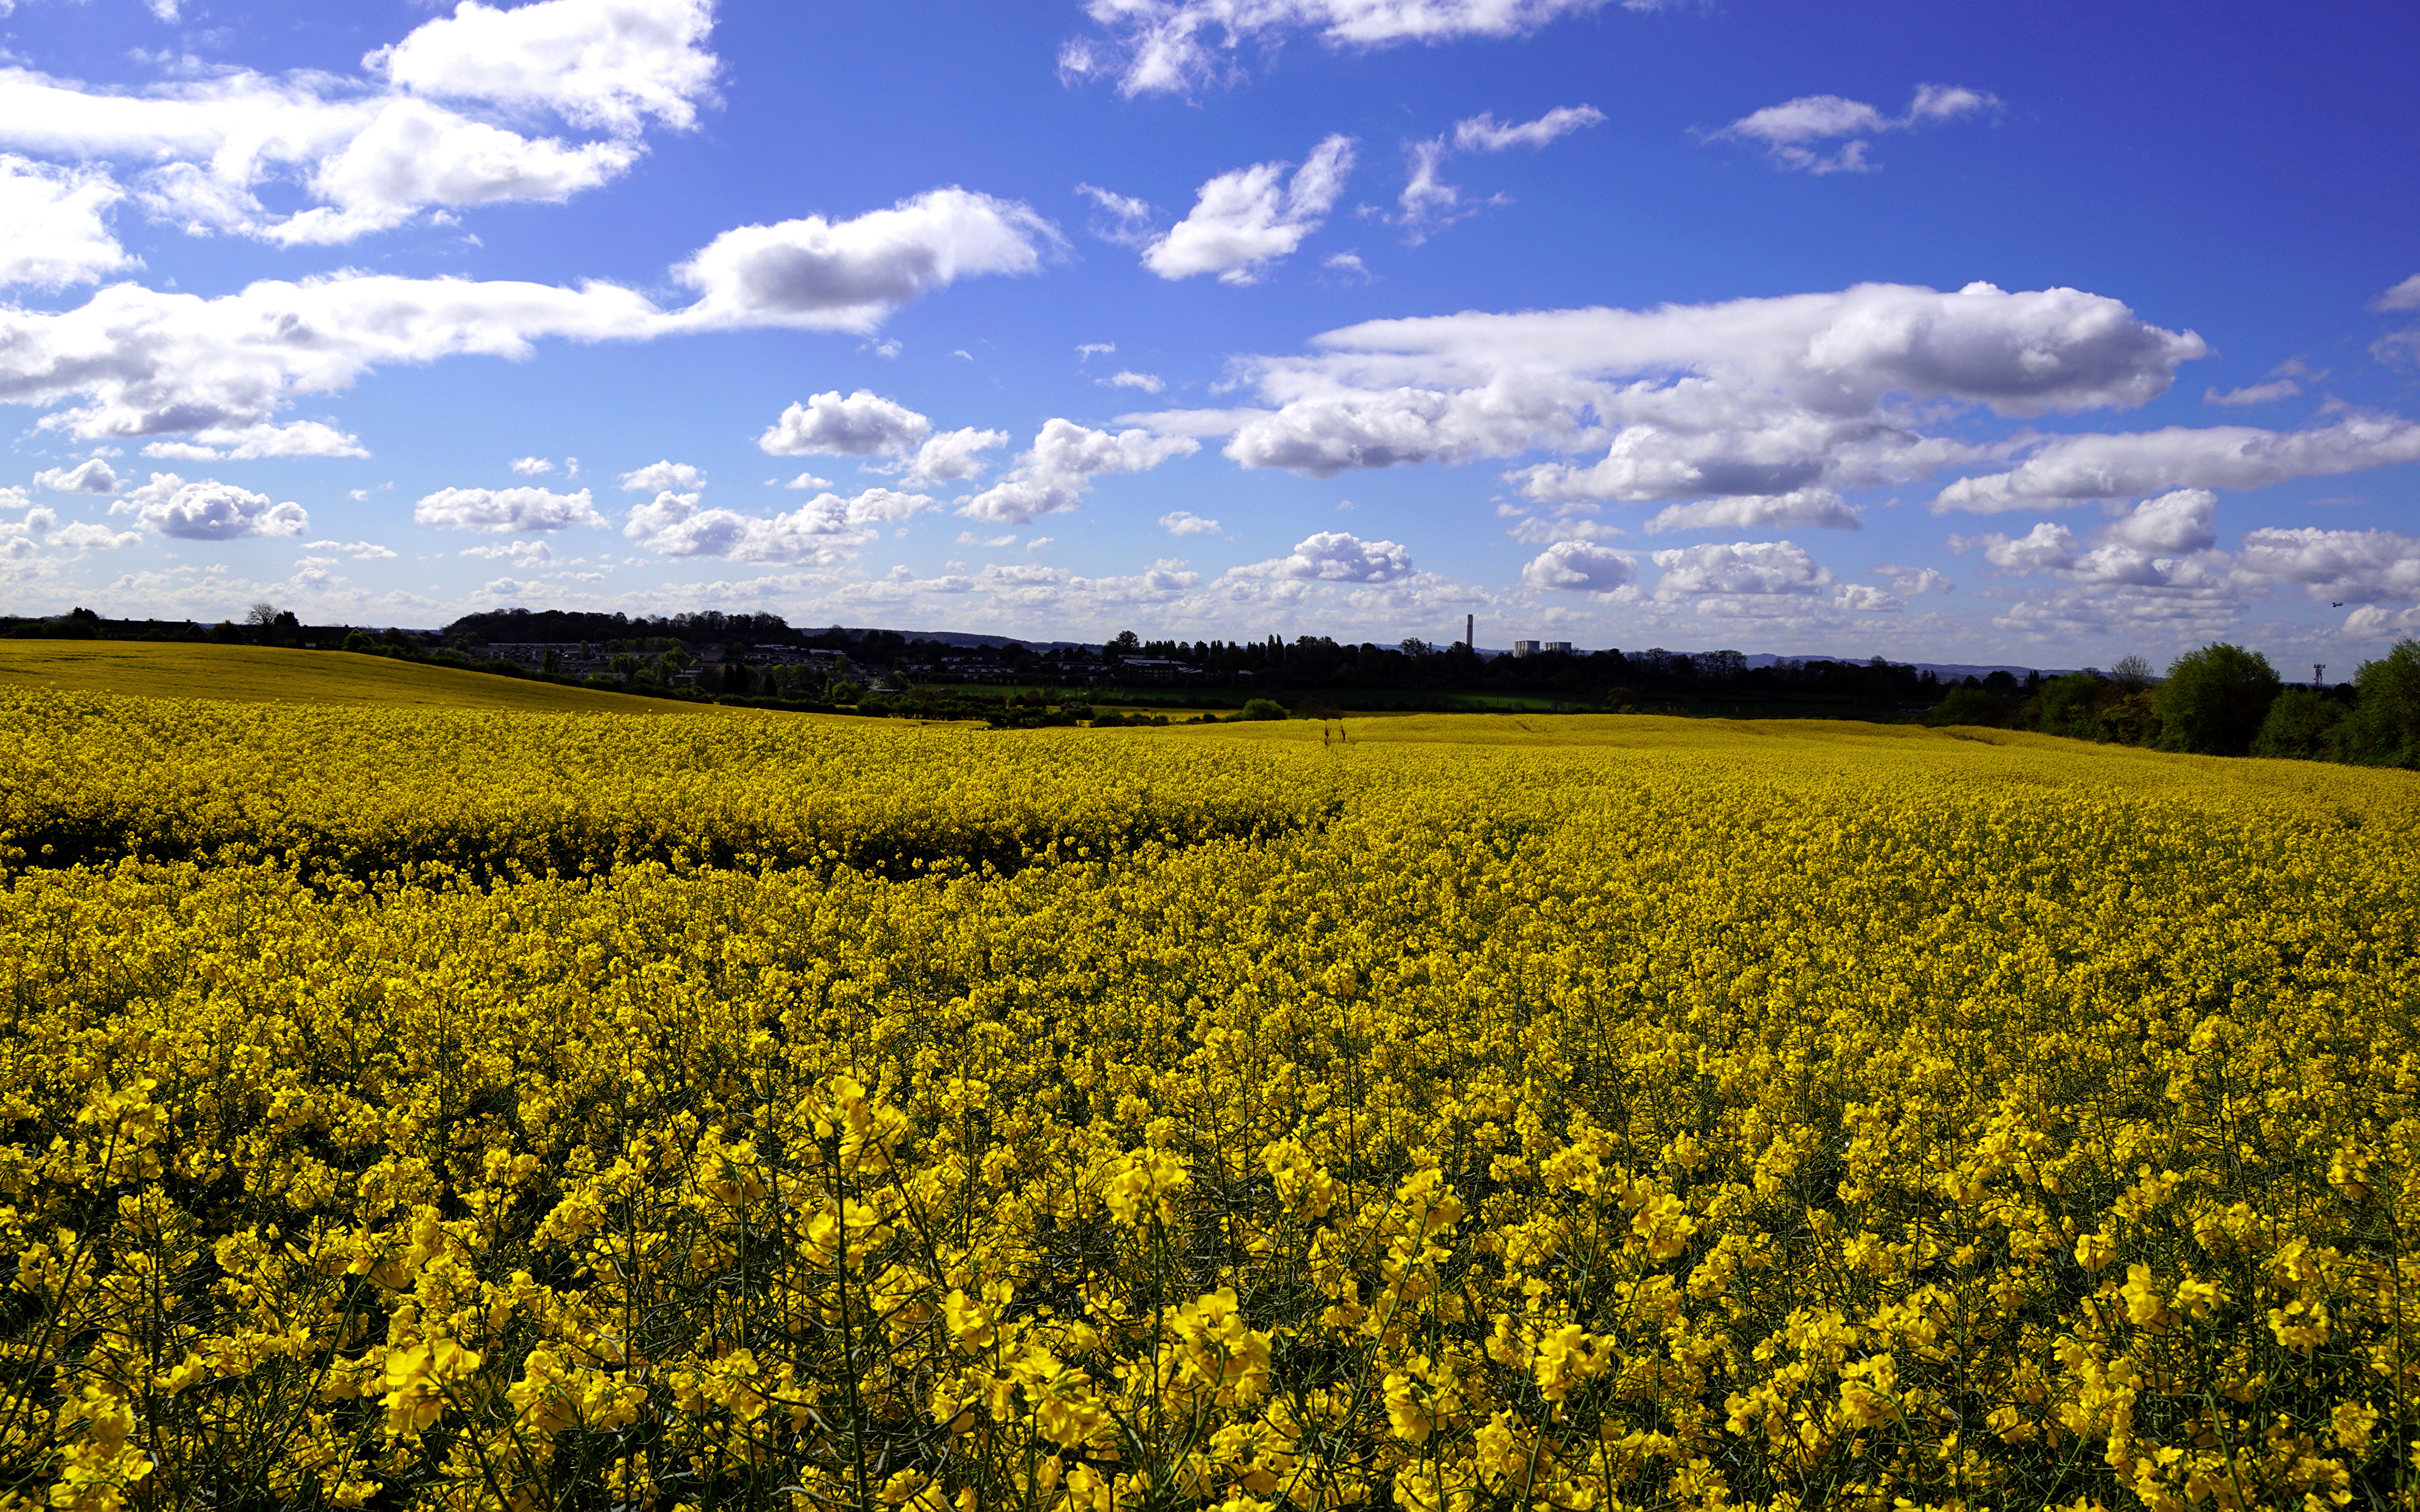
(275, 675)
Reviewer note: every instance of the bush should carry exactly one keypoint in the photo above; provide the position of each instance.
(1968, 705)
(2070, 705)
(1263, 709)
(356, 641)
(2303, 724)
(2214, 701)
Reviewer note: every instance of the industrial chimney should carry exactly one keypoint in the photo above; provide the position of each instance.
(1469, 622)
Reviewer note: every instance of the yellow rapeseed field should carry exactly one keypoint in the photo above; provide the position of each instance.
(427, 1109)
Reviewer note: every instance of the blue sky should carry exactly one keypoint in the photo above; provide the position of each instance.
(2044, 333)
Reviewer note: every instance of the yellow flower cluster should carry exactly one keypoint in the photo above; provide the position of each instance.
(513, 1112)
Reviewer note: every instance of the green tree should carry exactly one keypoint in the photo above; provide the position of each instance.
(2068, 704)
(1261, 709)
(2214, 699)
(1968, 705)
(2387, 722)
(2303, 724)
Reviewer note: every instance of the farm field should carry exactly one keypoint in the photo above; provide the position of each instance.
(466, 1108)
(280, 675)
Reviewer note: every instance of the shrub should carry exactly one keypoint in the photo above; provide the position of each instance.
(1263, 709)
(2387, 725)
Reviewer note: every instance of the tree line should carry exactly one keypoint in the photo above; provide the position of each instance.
(2219, 699)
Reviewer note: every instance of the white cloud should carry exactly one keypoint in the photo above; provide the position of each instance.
(1053, 476)
(1335, 556)
(1245, 219)
(208, 510)
(608, 65)
(1178, 46)
(2071, 469)
(1740, 569)
(148, 363)
(1481, 133)
(808, 480)
(530, 467)
(1861, 598)
(1789, 131)
(376, 150)
(83, 535)
(249, 443)
(358, 550)
(1818, 507)
(990, 543)
(85, 477)
(1428, 203)
(1185, 522)
(1348, 262)
(506, 509)
(2254, 393)
(825, 528)
(847, 275)
(1580, 566)
(656, 476)
(1126, 379)
(861, 425)
(51, 234)
(2370, 621)
(1095, 348)
(2175, 523)
(522, 554)
(2348, 566)
(953, 454)
(1915, 580)
(1759, 396)
(1123, 222)
(2403, 295)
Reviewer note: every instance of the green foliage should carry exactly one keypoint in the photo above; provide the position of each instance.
(2303, 724)
(2387, 725)
(1968, 705)
(2070, 705)
(2214, 699)
(1263, 709)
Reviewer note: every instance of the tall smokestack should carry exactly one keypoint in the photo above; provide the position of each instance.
(1469, 624)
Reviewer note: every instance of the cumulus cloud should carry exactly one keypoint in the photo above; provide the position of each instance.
(208, 510)
(522, 554)
(2072, 469)
(530, 467)
(847, 275)
(2337, 566)
(953, 454)
(1863, 598)
(825, 528)
(1178, 46)
(1792, 133)
(1335, 556)
(1053, 476)
(1185, 522)
(358, 550)
(84, 535)
(1126, 379)
(2177, 522)
(805, 479)
(2163, 546)
(85, 477)
(1818, 507)
(376, 150)
(151, 362)
(1246, 220)
(506, 509)
(1580, 567)
(1739, 569)
(657, 476)
(1914, 580)
(52, 231)
(1748, 397)
(861, 425)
